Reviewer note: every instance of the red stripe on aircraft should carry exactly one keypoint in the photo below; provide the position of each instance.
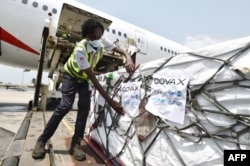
(7, 37)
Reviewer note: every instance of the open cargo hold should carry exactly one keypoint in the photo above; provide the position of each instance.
(185, 110)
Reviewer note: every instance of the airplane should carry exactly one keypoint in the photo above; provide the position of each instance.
(23, 21)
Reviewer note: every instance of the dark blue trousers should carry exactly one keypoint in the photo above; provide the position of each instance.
(69, 88)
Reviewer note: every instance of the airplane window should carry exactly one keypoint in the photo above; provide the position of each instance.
(35, 4)
(172, 52)
(45, 7)
(54, 11)
(107, 29)
(125, 35)
(119, 33)
(165, 49)
(168, 51)
(113, 31)
(161, 48)
(24, 1)
(139, 40)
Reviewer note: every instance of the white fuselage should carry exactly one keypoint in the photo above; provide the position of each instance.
(22, 23)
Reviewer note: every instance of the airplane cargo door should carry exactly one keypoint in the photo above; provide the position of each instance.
(71, 19)
(141, 42)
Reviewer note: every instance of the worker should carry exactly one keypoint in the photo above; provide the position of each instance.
(78, 77)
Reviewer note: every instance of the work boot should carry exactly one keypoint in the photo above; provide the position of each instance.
(39, 150)
(77, 151)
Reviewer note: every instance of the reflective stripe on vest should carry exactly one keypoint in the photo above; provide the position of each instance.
(71, 66)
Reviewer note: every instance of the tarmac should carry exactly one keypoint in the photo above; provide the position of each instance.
(13, 108)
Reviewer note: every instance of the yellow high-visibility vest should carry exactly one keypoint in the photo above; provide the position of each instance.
(71, 66)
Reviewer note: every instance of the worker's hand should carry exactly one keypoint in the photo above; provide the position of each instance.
(129, 66)
(117, 107)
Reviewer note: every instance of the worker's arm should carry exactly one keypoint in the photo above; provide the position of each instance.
(129, 65)
(116, 106)
(84, 65)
